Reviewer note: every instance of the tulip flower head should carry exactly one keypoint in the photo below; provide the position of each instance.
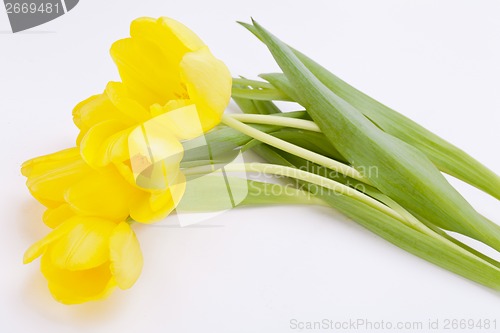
(165, 63)
(67, 186)
(84, 258)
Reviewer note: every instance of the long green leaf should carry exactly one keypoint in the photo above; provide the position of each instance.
(473, 266)
(297, 162)
(404, 173)
(447, 157)
(276, 156)
(259, 94)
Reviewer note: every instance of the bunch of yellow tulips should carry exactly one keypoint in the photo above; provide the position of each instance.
(125, 165)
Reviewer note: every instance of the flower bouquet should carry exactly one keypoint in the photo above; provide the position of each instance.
(159, 142)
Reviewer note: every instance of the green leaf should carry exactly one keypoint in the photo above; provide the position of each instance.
(447, 157)
(312, 141)
(404, 173)
(428, 248)
(276, 156)
(215, 143)
(462, 260)
(257, 107)
(251, 105)
(260, 94)
(280, 81)
(244, 82)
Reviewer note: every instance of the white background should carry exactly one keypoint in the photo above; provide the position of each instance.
(253, 270)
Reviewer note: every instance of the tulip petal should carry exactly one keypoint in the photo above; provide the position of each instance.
(83, 247)
(105, 193)
(92, 111)
(38, 248)
(125, 255)
(155, 155)
(41, 164)
(174, 194)
(49, 176)
(150, 207)
(157, 109)
(149, 76)
(104, 142)
(142, 211)
(171, 35)
(53, 217)
(149, 61)
(74, 287)
(182, 122)
(129, 109)
(208, 83)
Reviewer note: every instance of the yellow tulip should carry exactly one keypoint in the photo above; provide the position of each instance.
(85, 258)
(164, 61)
(67, 186)
(171, 82)
(127, 159)
(145, 147)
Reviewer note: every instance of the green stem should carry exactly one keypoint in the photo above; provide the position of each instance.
(277, 121)
(293, 149)
(252, 83)
(259, 94)
(407, 218)
(385, 205)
